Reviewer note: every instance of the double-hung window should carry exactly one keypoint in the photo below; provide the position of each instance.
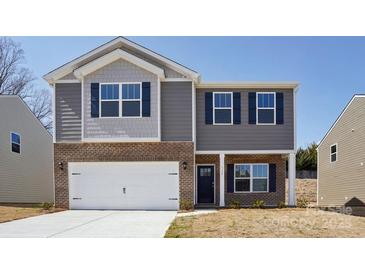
(251, 178)
(120, 100)
(266, 104)
(222, 111)
(333, 153)
(15, 142)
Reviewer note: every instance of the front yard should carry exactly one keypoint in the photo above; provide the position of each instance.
(10, 212)
(267, 223)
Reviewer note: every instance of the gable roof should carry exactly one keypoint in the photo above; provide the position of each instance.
(114, 44)
(340, 116)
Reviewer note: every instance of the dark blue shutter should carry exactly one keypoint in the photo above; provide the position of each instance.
(94, 100)
(279, 108)
(230, 178)
(252, 107)
(236, 108)
(209, 108)
(146, 99)
(272, 178)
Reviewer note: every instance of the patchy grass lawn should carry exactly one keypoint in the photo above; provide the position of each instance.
(10, 212)
(268, 223)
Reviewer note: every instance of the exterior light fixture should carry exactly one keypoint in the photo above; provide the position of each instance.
(60, 165)
(185, 165)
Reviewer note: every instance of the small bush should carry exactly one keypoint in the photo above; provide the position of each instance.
(302, 202)
(258, 204)
(186, 205)
(47, 206)
(281, 204)
(234, 204)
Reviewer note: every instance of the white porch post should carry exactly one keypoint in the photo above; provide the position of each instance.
(221, 179)
(291, 179)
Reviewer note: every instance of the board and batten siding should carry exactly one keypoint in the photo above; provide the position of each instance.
(176, 111)
(68, 112)
(245, 136)
(343, 181)
(26, 177)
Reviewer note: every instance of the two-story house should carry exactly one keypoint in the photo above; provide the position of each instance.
(136, 130)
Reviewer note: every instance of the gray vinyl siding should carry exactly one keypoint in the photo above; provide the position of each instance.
(118, 127)
(245, 136)
(176, 111)
(26, 177)
(68, 112)
(344, 178)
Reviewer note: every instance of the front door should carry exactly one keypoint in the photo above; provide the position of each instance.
(205, 184)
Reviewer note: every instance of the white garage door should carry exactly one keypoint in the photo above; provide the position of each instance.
(124, 185)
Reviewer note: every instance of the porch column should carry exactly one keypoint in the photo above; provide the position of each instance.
(291, 179)
(221, 179)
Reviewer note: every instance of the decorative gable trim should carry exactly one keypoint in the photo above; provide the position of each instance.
(114, 56)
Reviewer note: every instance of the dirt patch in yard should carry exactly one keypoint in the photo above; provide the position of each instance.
(11, 212)
(268, 223)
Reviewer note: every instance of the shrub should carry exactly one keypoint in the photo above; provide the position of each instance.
(302, 202)
(234, 204)
(47, 205)
(258, 204)
(281, 204)
(186, 205)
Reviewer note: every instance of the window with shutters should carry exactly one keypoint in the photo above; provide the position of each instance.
(266, 108)
(251, 178)
(120, 100)
(222, 108)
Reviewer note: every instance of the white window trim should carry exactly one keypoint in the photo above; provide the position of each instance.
(121, 100)
(231, 108)
(251, 177)
(257, 107)
(20, 144)
(335, 144)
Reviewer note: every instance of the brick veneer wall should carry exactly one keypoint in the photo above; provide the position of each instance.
(270, 198)
(110, 152)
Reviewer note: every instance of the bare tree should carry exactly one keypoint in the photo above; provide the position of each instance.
(15, 79)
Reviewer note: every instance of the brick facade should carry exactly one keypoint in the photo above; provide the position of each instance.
(109, 152)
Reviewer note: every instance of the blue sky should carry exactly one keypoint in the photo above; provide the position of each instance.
(330, 69)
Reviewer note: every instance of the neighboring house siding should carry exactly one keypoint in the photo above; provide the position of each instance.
(176, 111)
(345, 177)
(26, 177)
(121, 71)
(68, 112)
(245, 136)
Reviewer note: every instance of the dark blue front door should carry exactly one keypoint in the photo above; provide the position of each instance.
(205, 184)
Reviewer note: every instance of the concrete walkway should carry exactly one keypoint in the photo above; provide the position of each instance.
(91, 224)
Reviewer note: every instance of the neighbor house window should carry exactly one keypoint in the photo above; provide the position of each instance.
(251, 178)
(131, 100)
(333, 153)
(266, 108)
(15, 142)
(222, 112)
(109, 100)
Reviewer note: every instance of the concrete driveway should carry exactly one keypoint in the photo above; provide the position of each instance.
(91, 224)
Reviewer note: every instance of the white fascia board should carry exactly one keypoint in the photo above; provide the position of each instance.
(246, 152)
(290, 85)
(114, 56)
(339, 117)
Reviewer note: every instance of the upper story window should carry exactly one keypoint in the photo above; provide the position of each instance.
(222, 112)
(251, 178)
(266, 108)
(333, 153)
(120, 100)
(15, 142)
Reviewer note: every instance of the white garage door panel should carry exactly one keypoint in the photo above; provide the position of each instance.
(124, 185)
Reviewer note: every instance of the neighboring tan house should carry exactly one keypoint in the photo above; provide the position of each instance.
(341, 158)
(136, 130)
(26, 153)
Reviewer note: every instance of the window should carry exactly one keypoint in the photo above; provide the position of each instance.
(131, 100)
(222, 108)
(205, 172)
(333, 153)
(120, 100)
(251, 178)
(15, 142)
(266, 104)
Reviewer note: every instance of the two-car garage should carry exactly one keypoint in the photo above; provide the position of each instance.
(124, 185)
